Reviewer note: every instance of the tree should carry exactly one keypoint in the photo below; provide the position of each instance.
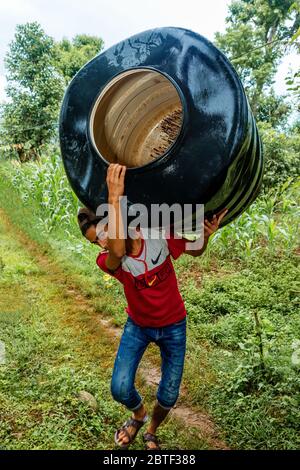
(35, 89)
(257, 36)
(72, 55)
(38, 70)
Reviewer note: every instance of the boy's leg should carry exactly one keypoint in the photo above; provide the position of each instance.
(131, 349)
(172, 348)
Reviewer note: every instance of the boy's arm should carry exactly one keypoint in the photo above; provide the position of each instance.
(210, 227)
(197, 252)
(115, 240)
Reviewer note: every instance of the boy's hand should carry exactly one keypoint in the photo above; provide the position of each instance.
(115, 181)
(212, 226)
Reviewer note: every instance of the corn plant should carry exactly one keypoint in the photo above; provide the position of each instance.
(272, 221)
(46, 183)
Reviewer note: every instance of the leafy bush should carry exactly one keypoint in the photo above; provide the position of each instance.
(281, 153)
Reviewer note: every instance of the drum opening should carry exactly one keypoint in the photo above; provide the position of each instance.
(137, 118)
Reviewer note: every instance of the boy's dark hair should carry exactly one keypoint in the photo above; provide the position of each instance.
(86, 218)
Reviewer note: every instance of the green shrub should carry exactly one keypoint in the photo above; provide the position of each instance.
(281, 154)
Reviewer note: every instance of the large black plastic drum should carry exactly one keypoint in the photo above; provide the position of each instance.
(169, 105)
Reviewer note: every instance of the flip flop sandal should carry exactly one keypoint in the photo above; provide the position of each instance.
(137, 424)
(148, 437)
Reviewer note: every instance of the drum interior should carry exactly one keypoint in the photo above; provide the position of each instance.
(136, 118)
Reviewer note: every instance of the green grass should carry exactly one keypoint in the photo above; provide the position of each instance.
(250, 267)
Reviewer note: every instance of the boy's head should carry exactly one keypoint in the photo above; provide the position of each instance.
(90, 227)
(96, 233)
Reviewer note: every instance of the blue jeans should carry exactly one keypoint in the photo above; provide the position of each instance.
(135, 339)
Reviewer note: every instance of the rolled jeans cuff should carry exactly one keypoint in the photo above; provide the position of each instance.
(136, 407)
(164, 407)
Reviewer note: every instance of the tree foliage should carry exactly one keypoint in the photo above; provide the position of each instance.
(257, 36)
(38, 70)
(293, 78)
(274, 110)
(281, 154)
(34, 91)
(72, 55)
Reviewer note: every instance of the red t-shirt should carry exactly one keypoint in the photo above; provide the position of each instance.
(150, 283)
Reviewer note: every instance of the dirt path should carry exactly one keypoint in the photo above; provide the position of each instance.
(81, 314)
